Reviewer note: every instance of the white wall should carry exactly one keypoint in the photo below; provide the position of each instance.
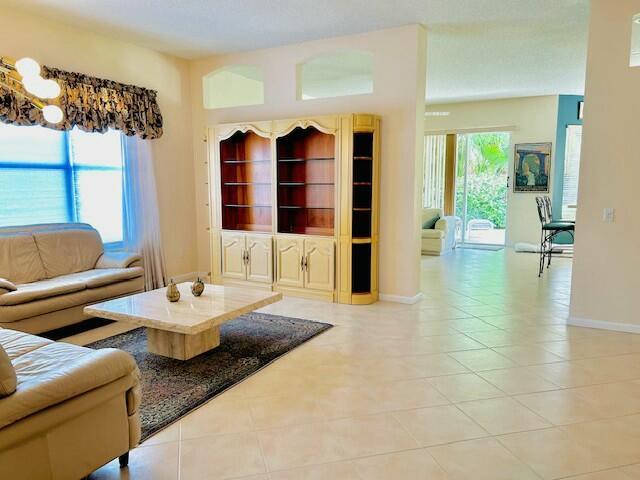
(69, 48)
(530, 119)
(606, 276)
(399, 92)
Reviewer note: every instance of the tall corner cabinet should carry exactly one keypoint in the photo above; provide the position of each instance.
(294, 206)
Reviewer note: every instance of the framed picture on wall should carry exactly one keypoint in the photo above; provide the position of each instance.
(532, 167)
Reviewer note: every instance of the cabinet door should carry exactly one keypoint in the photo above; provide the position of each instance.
(320, 264)
(233, 249)
(289, 262)
(260, 266)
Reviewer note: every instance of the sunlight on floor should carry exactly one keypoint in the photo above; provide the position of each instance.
(480, 380)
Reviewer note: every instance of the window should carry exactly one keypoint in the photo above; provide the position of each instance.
(48, 176)
(571, 172)
(635, 41)
(336, 74)
(233, 86)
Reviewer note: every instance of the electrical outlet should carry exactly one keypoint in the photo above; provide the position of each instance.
(608, 215)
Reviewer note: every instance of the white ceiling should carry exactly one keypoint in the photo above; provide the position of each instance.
(477, 48)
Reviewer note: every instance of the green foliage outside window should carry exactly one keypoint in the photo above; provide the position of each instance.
(488, 161)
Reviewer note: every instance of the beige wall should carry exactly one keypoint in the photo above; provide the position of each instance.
(399, 91)
(530, 119)
(73, 49)
(606, 268)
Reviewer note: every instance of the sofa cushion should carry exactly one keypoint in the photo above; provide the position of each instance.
(8, 379)
(7, 286)
(99, 277)
(56, 372)
(19, 258)
(68, 250)
(14, 313)
(432, 234)
(16, 343)
(28, 292)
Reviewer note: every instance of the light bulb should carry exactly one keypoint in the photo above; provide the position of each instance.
(28, 67)
(41, 88)
(50, 89)
(35, 85)
(52, 114)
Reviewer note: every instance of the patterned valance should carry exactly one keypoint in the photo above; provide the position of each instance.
(92, 104)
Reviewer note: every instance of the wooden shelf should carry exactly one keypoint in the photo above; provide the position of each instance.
(362, 214)
(307, 207)
(320, 231)
(239, 205)
(254, 227)
(293, 160)
(306, 182)
(237, 162)
(243, 184)
(302, 184)
(245, 171)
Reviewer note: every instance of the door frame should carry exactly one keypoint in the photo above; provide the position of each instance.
(467, 133)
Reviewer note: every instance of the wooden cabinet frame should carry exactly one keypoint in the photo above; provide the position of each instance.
(342, 241)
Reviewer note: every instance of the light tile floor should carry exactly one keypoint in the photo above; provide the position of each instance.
(480, 380)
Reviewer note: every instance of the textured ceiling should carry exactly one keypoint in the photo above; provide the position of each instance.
(477, 48)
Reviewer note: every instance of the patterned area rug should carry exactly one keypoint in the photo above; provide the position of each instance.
(172, 388)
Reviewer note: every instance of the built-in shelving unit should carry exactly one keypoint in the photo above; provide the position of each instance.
(362, 203)
(306, 182)
(294, 206)
(245, 177)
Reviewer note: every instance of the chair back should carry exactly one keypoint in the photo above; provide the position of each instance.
(542, 210)
(547, 206)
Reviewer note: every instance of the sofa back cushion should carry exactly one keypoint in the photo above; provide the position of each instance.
(429, 217)
(19, 258)
(68, 250)
(8, 378)
(428, 213)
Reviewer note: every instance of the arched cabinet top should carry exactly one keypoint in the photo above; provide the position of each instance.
(328, 125)
(227, 131)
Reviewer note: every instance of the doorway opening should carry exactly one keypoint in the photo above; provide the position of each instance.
(481, 187)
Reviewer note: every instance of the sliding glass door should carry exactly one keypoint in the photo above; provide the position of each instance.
(481, 187)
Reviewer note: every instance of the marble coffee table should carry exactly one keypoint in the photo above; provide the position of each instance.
(188, 327)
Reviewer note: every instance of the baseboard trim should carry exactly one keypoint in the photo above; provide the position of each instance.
(400, 299)
(603, 325)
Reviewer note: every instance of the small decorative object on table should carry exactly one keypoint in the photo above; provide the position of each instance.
(173, 294)
(197, 287)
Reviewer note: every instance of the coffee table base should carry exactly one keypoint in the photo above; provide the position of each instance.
(181, 346)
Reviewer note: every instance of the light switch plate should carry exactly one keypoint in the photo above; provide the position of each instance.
(608, 215)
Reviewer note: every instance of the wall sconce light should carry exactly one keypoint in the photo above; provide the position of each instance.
(23, 78)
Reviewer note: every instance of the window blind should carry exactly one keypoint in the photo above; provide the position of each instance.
(47, 176)
(571, 171)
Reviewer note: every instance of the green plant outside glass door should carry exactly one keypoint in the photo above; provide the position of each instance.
(482, 170)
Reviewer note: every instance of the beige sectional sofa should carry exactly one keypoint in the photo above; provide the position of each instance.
(73, 408)
(50, 272)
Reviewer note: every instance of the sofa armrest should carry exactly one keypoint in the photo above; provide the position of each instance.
(446, 224)
(6, 286)
(119, 260)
